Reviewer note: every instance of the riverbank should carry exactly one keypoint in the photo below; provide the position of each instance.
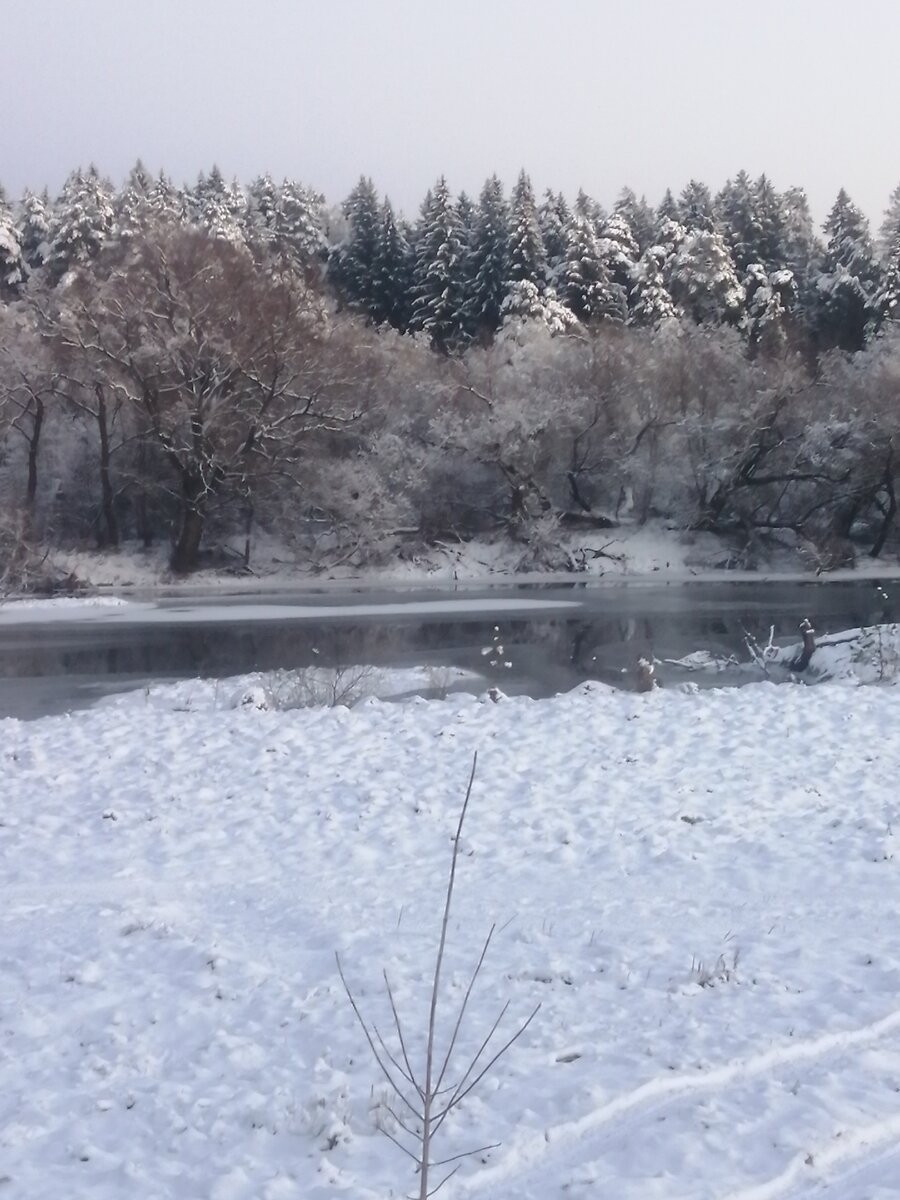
(692, 886)
(652, 553)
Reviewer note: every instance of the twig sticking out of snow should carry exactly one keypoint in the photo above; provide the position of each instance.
(427, 1095)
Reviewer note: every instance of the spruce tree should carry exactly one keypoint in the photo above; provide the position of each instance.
(488, 265)
(12, 262)
(703, 280)
(527, 256)
(438, 307)
(770, 222)
(589, 288)
(83, 219)
(696, 210)
(300, 224)
(668, 210)
(640, 217)
(353, 264)
(554, 217)
(650, 301)
(737, 215)
(890, 226)
(261, 217)
(34, 230)
(132, 205)
(393, 271)
(849, 284)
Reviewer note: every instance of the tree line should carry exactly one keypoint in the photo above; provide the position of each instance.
(185, 364)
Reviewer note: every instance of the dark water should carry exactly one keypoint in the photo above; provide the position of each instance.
(55, 666)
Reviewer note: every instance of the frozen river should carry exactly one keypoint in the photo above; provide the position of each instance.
(526, 639)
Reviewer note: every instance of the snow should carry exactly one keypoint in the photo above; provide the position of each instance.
(695, 887)
(31, 612)
(631, 553)
(60, 606)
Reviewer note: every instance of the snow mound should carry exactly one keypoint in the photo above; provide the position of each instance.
(870, 655)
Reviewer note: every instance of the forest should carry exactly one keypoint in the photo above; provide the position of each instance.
(190, 367)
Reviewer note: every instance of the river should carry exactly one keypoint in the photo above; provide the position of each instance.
(529, 639)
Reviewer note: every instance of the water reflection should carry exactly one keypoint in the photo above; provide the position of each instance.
(52, 667)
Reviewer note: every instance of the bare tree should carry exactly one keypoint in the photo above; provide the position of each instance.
(29, 382)
(232, 370)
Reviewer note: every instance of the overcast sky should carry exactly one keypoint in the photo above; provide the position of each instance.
(582, 93)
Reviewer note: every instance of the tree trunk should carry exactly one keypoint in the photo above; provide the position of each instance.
(186, 553)
(111, 535)
(144, 530)
(890, 511)
(34, 445)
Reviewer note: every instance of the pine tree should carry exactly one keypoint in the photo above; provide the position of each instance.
(770, 222)
(84, 218)
(737, 215)
(696, 210)
(554, 217)
(393, 271)
(261, 217)
(770, 299)
(132, 206)
(488, 265)
(640, 217)
(219, 206)
(169, 205)
(650, 302)
(668, 210)
(890, 226)
(12, 262)
(619, 249)
(703, 281)
(438, 307)
(588, 208)
(34, 230)
(300, 224)
(353, 264)
(527, 308)
(849, 284)
(589, 288)
(802, 252)
(527, 256)
(886, 304)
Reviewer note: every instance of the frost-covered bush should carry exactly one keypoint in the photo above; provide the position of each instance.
(309, 687)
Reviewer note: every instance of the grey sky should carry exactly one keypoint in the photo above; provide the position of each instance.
(579, 92)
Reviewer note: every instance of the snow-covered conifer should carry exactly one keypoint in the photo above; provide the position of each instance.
(696, 210)
(554, 217)
(849, 283)
(650, 302)
(527, 256)
(353, 262)
(641, 219)
(393, 271)
(489, 258)
(34, 230)
(528, 308)
(589, 288)
(300, 223)
(12, 262)
(83, 219)
(703, 280)
(438, 298)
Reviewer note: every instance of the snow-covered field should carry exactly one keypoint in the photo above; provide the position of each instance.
(699, 889)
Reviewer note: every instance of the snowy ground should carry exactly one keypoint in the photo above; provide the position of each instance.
(700, 890)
